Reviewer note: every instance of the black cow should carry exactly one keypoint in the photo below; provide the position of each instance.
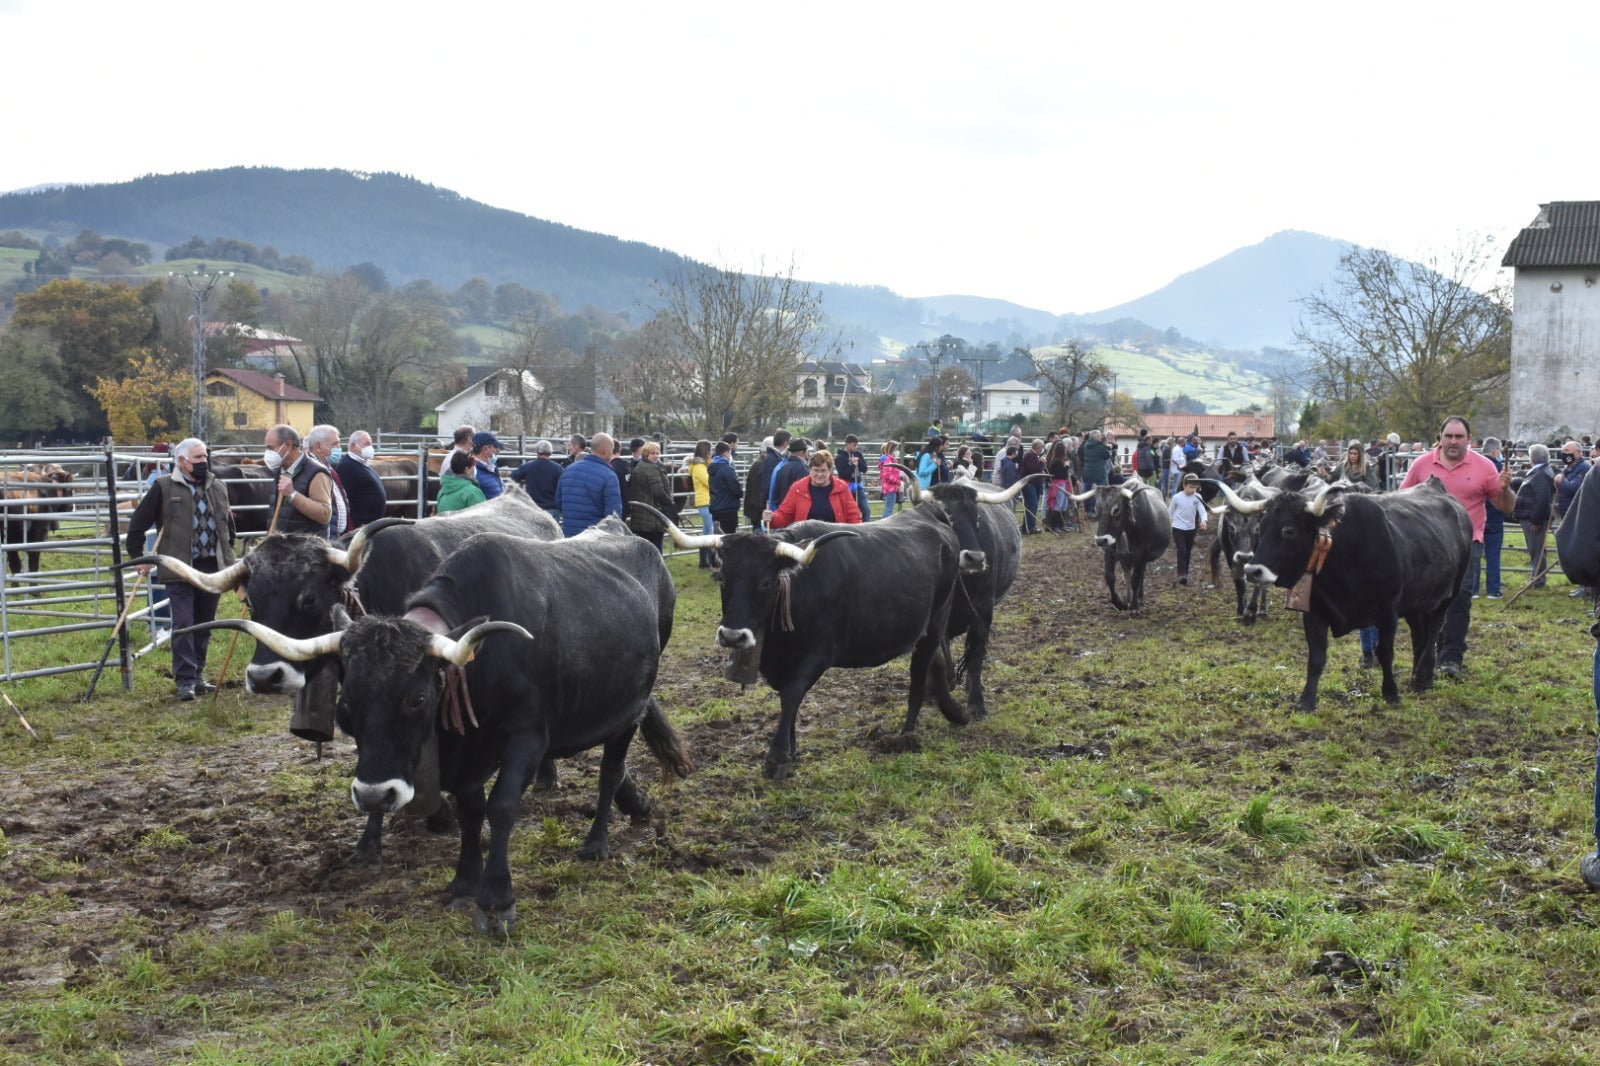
(252, 494)
(298, 585)
(33, 494)
(986, 533)
(567, 665)
(801, 601)
(1134, 530)
(1398, 555)
(1237, 533)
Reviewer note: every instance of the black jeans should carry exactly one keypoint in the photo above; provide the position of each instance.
(1183, 541)
(191, 607)
(1453, 638)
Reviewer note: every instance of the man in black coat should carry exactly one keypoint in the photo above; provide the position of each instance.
(368, 497)
(759, 480)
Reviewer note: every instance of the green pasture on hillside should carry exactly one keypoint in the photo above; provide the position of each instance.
(1144, 855)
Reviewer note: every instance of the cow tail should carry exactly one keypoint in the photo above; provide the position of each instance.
(665, 744)
(1214, 556)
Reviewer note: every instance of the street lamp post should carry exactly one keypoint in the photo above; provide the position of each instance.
(200, 285)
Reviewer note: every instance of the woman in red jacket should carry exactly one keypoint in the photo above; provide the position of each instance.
(821, 496)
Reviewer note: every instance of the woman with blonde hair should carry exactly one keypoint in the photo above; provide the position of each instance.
(700, 476)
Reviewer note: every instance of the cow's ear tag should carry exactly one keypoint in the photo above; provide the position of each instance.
(1299, 598)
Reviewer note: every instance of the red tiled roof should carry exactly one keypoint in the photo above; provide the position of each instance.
(265, 385)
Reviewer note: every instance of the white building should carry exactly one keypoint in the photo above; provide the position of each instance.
(1555, 325)
(828, 383)
(1009, 398)
(493, 401)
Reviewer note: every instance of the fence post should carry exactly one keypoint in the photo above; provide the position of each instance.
(116, 566)
(422, 479)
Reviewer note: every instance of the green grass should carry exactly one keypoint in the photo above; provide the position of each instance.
(1140, 857)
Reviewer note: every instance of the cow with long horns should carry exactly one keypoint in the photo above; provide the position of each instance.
(298, 585)
(991, 556)
(1371, 560)
(1133, 529)
(815, 595)
(1237, 533)
(567, 664)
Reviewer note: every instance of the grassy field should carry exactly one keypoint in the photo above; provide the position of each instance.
(1143, 856)
(1167, 372)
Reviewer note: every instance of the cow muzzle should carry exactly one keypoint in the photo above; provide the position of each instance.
(385, 796)
(1105, 540)
(1257, 574)
(735, 638)
(274, 679)
(973, 562)
(1243, 557)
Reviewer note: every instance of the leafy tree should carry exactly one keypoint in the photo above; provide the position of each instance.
(740, 340)
(152, 398)
(938, 354)
(33, 394)
(399, 344)
(944, 393)
(96, 329)
(1405, 344)
(475, 300)
(1156, 406)
(1187, 405)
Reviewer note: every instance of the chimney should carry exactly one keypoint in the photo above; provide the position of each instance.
(279, 379)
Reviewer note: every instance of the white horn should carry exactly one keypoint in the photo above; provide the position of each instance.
(1319, 502)
(216, 583)
(913, 483)
(1241, 505)
(460, 652)
(351, 557)
(988, 495)
(1081, 497)
(803, 556)
(290, 648)
(679, 537)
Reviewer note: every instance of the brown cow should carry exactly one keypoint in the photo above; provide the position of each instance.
(45, 487)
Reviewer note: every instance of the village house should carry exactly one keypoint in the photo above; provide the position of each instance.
(556, 402)
(1012, 398)
(828, 383)
(243, 403)
(1555, 328)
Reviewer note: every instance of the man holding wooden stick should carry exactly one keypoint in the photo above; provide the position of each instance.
(190, 509)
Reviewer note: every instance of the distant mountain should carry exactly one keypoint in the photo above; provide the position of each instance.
(1246, 299)
(414, 230)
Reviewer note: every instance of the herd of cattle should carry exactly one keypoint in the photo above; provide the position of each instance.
(481, 644)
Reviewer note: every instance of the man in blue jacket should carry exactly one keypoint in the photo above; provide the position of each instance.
(588, 489)
(539, 476)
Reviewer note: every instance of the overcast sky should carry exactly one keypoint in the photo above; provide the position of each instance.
(1066, 159)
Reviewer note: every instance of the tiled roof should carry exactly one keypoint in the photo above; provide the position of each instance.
(1566, 233)
(265, 384)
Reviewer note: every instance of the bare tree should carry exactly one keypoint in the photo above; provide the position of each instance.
(741, 338)
(1076, 384)
(1401, 344)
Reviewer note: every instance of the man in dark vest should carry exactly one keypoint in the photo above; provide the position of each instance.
(305, 488)
(189, 509)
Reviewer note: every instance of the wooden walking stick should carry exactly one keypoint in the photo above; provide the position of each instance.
(122, 620)
(18, 713)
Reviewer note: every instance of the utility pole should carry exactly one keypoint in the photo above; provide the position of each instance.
(976, 360)
(200, 285)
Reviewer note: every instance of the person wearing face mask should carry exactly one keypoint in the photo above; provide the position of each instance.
(305, 488)
(1573, 468)
(323, 445)
(189, 509)
(362, 485)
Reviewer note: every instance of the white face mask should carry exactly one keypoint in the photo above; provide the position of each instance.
(271, 459)
(367, 453)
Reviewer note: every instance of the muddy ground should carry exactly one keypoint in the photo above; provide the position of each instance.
(221, 837)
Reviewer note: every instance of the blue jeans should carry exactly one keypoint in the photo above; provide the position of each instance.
(1030, 505)
(864, 502)
(706, 527)
(1369, 638)
(891, 500)
(1492, 543)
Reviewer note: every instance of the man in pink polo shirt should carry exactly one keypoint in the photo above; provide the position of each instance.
(1473, 480)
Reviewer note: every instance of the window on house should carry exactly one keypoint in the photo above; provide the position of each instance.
(221, 390)
(491, 387)
(241, 420)
(1025, 401)
(838, 382)
(809, 390)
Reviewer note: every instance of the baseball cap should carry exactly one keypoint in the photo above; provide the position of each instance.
(480, 439)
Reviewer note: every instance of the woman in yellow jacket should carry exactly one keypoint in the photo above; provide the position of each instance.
(700, 474)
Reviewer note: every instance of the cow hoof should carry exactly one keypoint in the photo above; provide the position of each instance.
(501, 922)
(1392, 698)
(363, 857)
(1247, 619)
(546, 779)
(776, 772)
(461, 903)
(956, 715)
(977, 711)
(1306, 708)
(596, 851)
(440, 821)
